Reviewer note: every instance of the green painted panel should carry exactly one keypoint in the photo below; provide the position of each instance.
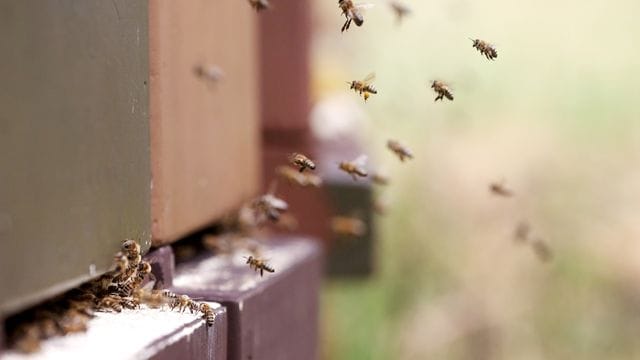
(74, 141)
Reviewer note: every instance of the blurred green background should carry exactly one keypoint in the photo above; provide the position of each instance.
(555, 117)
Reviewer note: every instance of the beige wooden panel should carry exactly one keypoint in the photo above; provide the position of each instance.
(74, 142)
(204, 137)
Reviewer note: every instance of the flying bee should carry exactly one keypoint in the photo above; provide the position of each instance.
(348, 226)
(442, 90)
(400, 9)
(354, 168)
(295, 177)
(352, 12)
(207, 313)
(380, 178)
(269, 206)
(258, 265)
(210, 73)
(522, 231)
(259, 5)
(486, 49)
(402, 151)
(363, 87)
(500, 189)
(542, 250)
(301, 161)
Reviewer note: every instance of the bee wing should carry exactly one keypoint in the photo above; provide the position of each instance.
(369, 78)
(149, 286)
(360, 160)
(280, 204)
(364, 6)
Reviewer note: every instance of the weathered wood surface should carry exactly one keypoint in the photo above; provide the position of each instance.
(270, 317)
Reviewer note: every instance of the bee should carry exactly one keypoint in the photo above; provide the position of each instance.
(486, 49)
(111, 303)
(402, 151)
(269, 206)
(442, 90)
(131, 248)
(363, 87)
(542, 250)
(499, 189)
(211, 73)
(380, 178)
(259, 5)
(348, 226)
(26, 338)
(294, 176)
(354, 168)
(207, 313)
(73, 322)
(301, 161)
(352, 12)
(144, 269)
(522, 231)
(84, 307)
(258, 265)
(400, 9)
(184, 302)
(152, 298)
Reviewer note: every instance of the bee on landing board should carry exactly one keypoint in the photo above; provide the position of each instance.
(364, 87)
(355, 168)
(500, 189)
(400, 9)
(348, 226)
(486, 49)
(259, 5)
(352, 12)
(402, 151)
(258, 265)
(302, 162)
(207, 313)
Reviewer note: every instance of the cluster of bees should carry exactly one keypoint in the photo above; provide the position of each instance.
(523, 233)
(114, 291)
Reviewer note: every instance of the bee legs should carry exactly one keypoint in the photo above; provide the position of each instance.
(439, 97)
(346, 24)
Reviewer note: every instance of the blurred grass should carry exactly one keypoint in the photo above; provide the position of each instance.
(555, 116)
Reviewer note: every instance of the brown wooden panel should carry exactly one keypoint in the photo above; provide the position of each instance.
(74, 142)
(204, 136)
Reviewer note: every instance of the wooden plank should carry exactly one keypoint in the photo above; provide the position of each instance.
(74, 142)
(204, 136)
(270, 317)
(140, 334)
